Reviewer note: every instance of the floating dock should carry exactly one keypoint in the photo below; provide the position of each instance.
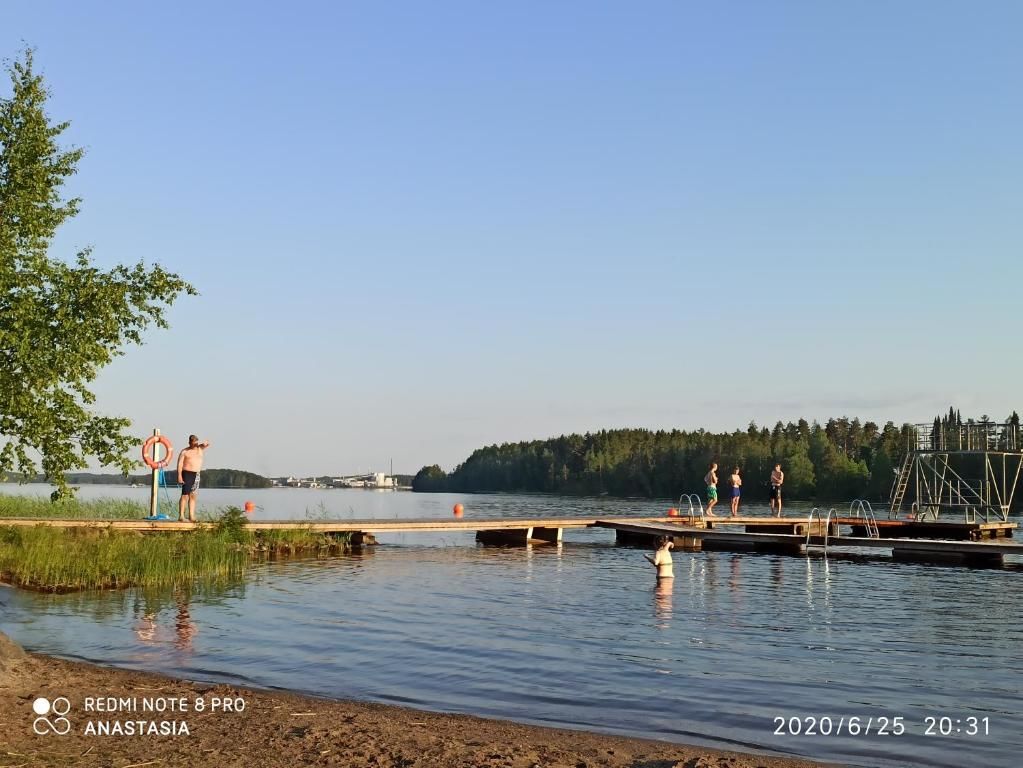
(969, 546)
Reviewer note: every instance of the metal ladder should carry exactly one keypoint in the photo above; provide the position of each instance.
(689, 497)
(827, 527)
(900, 485)
(862, 508)
(916, 512)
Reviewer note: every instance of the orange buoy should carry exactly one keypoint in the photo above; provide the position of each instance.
(672, 512)
(458, 510)
(250, 507)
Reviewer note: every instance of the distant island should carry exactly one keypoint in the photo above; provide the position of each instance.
(216, 478)
(211, 478)
(841, 459)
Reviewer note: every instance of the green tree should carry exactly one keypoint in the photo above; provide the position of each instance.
(431, 478)
(61, 322)
(882, 474)
(800, 478)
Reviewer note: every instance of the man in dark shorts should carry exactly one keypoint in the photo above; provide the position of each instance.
(777, 478)
(189, 466)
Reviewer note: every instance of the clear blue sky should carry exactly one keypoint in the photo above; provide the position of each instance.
(419, 228)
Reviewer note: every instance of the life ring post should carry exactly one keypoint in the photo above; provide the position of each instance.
(154, 494)
(156, 463)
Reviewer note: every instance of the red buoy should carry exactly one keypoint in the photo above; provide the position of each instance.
(672, 512)
(250, 507)
(458, 510)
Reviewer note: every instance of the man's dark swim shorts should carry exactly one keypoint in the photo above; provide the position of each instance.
(189, 482)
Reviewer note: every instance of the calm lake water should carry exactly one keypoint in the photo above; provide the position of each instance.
(579, 636)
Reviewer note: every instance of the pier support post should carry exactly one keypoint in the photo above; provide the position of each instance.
(519, 537)
(549, 535)
(514, 537)
(633, 539)
(688, 543)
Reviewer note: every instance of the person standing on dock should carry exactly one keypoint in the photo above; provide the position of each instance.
(736, 482)
(189, 466)
(711, 479)
(777, 478)
(662, 558)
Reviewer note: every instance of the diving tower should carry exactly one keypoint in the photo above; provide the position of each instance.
(969, 469)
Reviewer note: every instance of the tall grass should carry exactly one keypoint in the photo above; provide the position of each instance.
(64, 560)
(61, 560)
(41, 507)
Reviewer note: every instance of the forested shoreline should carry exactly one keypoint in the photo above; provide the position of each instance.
(840, 459)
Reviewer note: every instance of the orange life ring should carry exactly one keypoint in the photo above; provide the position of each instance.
(148, 459)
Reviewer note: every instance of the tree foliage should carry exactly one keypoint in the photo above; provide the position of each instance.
(60, 322)
(840, 460)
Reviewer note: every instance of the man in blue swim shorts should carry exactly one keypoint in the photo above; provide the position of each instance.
(736, 481)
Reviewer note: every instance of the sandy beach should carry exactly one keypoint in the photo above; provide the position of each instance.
(280, 729)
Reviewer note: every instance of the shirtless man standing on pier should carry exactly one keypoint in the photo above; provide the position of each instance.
(711, 480)
(777, 478)
(189, 465)
(736, 481)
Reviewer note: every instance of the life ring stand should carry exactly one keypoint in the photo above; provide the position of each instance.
(148, 458)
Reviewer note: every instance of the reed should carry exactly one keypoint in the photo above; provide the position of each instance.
(41, 507)
(66, 560)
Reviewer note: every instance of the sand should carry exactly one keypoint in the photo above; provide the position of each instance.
(281, 729)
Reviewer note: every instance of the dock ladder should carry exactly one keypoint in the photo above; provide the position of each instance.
(816, 511)
(862, 508)
(689, 498)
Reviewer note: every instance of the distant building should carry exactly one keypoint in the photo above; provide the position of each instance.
(374, 480)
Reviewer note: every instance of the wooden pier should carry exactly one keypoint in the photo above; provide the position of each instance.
(498, 531)
(976, 542)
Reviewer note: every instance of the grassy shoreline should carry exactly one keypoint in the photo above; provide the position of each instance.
(47, 559)
(41, 507)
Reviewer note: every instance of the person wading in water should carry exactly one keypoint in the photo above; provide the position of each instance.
(662, 558)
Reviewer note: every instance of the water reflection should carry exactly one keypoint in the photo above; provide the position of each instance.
(185, 628)
(733, 573)
(145, 630)
(148, 627)
(663, 594)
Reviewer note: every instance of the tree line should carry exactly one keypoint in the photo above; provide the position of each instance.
(839, 460)
(211, 478)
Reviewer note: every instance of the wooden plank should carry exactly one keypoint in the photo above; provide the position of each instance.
(719, 520)
(337, 526)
